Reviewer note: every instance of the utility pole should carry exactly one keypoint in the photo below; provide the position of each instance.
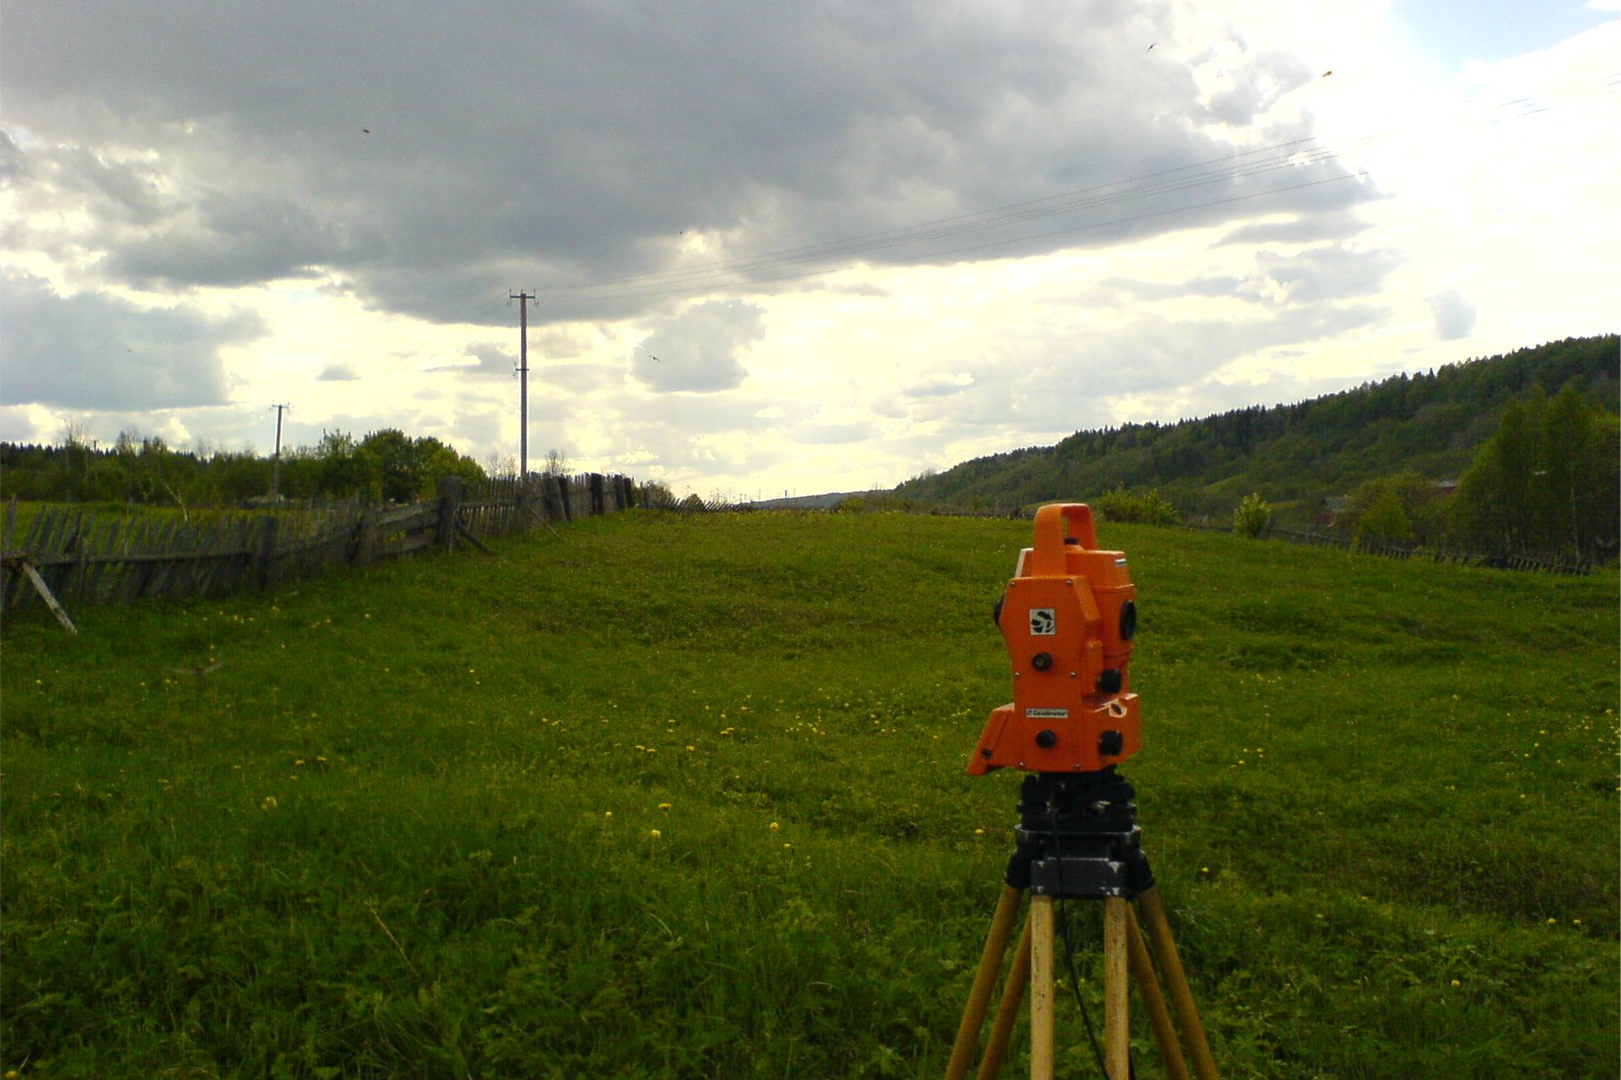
(275, 467)
(523, 299)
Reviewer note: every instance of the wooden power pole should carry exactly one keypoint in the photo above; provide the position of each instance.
(275, 464)
(523, 299)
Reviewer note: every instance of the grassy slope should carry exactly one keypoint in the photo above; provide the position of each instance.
(407, 828)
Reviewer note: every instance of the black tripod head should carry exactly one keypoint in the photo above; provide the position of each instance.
(1078, 837)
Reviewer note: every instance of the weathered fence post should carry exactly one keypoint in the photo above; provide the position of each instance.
(264, 552)
(527, 514)
(566, 511)
(450, 497)
(598, 508)
(366, 537)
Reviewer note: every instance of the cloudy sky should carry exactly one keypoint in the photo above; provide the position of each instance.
(782, 247)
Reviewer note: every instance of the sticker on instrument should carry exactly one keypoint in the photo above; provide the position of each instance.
(1043, 621)
(1047, 714)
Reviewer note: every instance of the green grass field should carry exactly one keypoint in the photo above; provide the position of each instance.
(683, 796)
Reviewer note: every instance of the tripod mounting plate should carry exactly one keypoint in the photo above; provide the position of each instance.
(1078, 838)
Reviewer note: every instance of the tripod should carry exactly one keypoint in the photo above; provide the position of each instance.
(1078, 839)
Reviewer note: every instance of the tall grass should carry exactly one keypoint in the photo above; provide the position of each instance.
(683, 796)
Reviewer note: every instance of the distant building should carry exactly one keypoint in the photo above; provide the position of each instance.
(1333, 506)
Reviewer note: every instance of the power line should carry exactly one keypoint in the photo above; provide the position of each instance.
(988, 244)
(1013, 213)
(745, 271)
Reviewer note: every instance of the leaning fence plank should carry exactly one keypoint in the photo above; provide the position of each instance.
(36, 529)
(461, 531)
(50, 601)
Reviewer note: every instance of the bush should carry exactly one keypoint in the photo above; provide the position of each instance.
(1253, 516)
(1142, 508)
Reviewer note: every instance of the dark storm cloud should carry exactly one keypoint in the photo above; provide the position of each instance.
(225, 240)
(91, 351)
(435, 156)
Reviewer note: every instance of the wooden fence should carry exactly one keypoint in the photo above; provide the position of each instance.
(68, 555)
(1544, 562)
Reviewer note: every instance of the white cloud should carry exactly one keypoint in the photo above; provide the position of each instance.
(338, 373)
(94, 351)
(1454, 315)
(700, 349)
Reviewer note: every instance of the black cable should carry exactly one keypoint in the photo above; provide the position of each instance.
(1075, 985)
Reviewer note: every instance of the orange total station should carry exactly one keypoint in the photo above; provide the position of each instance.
(1067, 617)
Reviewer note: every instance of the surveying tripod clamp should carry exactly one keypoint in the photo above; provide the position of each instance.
(1078, 838)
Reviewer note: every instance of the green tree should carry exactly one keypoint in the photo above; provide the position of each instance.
(1496, 498)
(1547, 479)
(1144, 507)
(1386, 517)
(345, 468)
(1405, 507)
(1252, 517)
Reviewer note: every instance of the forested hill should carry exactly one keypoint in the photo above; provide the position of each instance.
(1293, 455)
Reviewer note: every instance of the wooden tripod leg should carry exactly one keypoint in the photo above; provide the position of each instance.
(1041, 988)
(1142, 971)
(1116, 989)
(1007, 1010)
(1176, 984)
(990, 962)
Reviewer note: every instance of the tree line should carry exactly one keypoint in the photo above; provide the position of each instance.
(1532, 472)
(384, 465)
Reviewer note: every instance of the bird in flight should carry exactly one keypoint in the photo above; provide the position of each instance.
(365, 131)
(1327, 73)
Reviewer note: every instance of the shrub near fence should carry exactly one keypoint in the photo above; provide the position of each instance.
(81, 559)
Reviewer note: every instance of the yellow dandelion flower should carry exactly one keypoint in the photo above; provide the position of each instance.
(788, 847)
(1455, 982)
(607, 813)
(979, 832)
(269, 803)
(654, 833)
(664, 806)
(774, 826)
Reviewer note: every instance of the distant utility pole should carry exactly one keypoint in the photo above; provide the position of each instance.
(523, 299)
(275, 467)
